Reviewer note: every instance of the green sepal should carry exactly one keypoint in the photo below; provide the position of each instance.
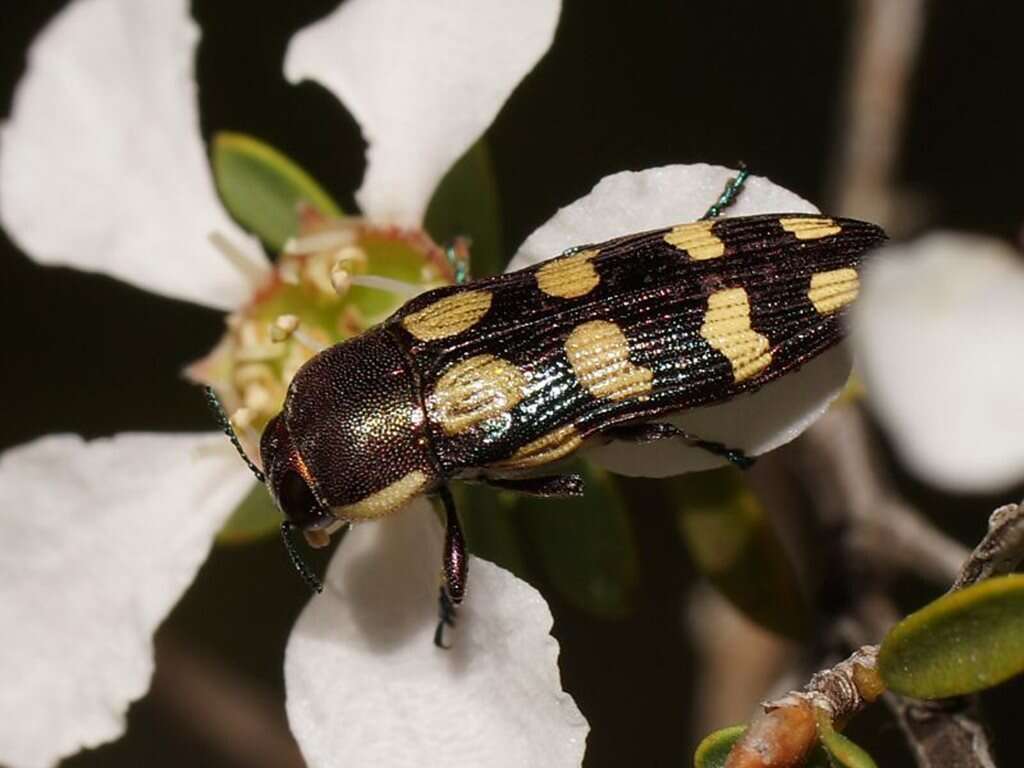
(466, 204)
(262, 188)
(733, 543)
(842, 752)
(255, 518)
(963, 642)
(714, 750)
(585, 546)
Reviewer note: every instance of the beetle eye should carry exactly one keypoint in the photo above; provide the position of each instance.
(297, 501)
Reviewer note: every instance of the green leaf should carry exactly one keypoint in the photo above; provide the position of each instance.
(489, 521)
(842, 752)
(466, 204)
(714, 750)
(255, 518)
(733, 542)
(262, 188)
(585, 546)
(963, 642)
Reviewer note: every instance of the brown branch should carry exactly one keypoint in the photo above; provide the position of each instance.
(849, 484)
(883, 57)
(942, 734)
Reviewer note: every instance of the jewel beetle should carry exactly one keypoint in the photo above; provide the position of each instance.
(497, 379)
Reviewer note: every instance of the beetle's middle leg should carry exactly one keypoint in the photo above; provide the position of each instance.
(646, 433)
(455, 566)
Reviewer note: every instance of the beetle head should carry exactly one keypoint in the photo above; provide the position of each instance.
(349, 443)
(289, 480)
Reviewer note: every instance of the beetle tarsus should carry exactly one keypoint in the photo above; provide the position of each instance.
(445, 617)
(552, 485)
(646, 433)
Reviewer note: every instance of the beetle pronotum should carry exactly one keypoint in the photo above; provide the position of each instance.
(498, 378)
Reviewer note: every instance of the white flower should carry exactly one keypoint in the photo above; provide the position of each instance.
(99, 539)
(938, 334)
(102, 169)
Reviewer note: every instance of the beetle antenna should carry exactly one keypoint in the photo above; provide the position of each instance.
(298, 563)
(225, 425)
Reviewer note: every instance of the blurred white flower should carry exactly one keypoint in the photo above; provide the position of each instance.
(939, 338)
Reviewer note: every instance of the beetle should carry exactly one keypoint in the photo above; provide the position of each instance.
(497, 379)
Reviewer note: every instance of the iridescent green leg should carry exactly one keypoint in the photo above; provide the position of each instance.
(733, 187)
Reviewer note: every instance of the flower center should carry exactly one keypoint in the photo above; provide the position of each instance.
(332, 282)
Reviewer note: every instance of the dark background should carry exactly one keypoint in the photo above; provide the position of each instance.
(625, 86)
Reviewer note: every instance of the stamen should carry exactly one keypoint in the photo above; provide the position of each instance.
(397, 287)
(255, 272)
(320, 241)
(284, 326)
(309, 342)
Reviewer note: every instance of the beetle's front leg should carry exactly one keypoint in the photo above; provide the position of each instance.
(455, 564)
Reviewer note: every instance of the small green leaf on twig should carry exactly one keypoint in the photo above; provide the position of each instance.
(963, 642)
(262, 188)
(841, 751)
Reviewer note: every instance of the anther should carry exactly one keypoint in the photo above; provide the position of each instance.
(242, 418)
(283, 327)
(341, 278)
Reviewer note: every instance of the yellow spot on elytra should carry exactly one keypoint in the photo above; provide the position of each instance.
(810, 227)
(599, 354)
(551, 447)
(834, 289)
(569, 277)
(727, 329)
(386, 500)
(696, 240)
(448, 316)
(474, 390)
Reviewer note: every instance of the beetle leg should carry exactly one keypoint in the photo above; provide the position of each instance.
(733, 187)
(646, 433)
(455, 566)
(555, 485)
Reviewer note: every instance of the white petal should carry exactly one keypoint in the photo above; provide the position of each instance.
(637, 201)
(424, 79)
(938, 334)
(98, 540)
(756, 423)
(101, 163)
(367, 687)
(634, 201)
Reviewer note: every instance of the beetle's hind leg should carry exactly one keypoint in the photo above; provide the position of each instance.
(455, 568)
(552, 485)
(646, 433)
